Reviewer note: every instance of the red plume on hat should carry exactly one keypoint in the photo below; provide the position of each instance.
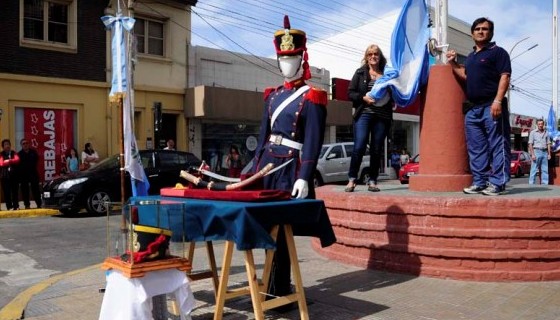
(291, 42)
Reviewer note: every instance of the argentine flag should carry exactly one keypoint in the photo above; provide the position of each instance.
(552, 128)
(120, 86)
(409, 57)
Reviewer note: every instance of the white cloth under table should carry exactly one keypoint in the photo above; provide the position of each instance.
(131, 298)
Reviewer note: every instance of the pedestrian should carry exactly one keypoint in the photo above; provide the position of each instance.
(234, 162)
(170, 145)
(404, 157)
(487, 72)
(539, 148)
(292, 129)
(72, 161)
(396, 162)
(28, 174)
(371, 119)
(89, 157)
(8, 175)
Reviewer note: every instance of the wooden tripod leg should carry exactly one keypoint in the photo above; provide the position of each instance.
(268, 263)
(224, 278)
(212, 263)
(190, 255)
(304, 315)
(253, 285)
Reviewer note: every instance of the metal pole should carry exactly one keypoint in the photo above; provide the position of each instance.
(444, 42)
(121, 159)
(440, 12)
(555, 58)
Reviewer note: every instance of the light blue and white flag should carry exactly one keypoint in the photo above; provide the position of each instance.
(132, 160)
(122, 76)
(119, 82)
(552, 128)
(409, 56)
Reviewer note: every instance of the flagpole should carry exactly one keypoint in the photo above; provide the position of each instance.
(440, 12)
(555, 58)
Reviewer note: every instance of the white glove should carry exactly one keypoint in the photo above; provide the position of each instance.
(301, 189)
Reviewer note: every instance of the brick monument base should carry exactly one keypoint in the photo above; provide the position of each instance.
(512, 237)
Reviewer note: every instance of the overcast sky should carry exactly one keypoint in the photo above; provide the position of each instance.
(246, 26)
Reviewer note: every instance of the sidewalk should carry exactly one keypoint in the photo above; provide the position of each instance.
(334, 291)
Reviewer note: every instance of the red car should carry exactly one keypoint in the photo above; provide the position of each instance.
(520, 163)
(409, 169)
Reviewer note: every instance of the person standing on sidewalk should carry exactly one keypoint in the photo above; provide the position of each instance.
(487, 73)
(8, 175)
(89, 157)
(539, 148)
(371, 119)
(396, 162)
(28, 174)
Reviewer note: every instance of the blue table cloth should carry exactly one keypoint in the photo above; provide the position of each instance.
(246, 223)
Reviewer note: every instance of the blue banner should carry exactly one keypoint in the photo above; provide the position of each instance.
(552, 128)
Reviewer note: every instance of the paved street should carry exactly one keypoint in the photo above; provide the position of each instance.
(334, 290)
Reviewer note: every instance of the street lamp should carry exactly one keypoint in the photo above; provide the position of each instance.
(511, 59)
(515, 45)
(528, 49)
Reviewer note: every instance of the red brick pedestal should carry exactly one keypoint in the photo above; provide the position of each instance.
(446, 235)
(444, 161)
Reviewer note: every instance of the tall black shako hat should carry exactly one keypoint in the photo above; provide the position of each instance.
(291, 42)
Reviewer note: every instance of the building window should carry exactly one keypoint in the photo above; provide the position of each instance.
(150, 36)
(49, 23)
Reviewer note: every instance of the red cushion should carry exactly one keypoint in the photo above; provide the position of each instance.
(233, 195)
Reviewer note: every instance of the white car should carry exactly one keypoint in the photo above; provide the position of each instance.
(334, 162)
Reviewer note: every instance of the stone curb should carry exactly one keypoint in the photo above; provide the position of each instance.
(25, 213)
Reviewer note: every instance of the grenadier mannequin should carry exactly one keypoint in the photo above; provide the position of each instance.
(292, 130)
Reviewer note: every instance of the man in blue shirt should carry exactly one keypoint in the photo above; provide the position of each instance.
(486, 72)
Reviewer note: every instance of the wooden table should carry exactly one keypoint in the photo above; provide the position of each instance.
(245, 226)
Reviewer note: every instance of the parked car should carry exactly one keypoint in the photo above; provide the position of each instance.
(409, 169)
(92, 188)
(520, 163)
(334, 162)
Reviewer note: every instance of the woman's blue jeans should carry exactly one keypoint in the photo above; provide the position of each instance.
(372, 130)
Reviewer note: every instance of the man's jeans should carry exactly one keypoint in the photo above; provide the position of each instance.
(488, 146)
(541, 162)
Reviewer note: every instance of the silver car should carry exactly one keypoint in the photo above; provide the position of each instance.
(334, 162)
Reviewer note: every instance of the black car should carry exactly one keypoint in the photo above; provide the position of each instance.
(92, 188)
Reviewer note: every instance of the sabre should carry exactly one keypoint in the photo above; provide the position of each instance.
(225, 186)
(236, 180)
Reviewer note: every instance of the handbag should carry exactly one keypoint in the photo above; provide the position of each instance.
(84, 166)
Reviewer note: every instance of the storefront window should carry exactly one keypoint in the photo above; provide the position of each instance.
(218, 138)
